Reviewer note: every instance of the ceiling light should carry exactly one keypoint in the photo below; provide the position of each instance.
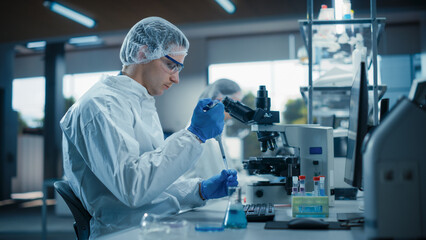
(69, 13)
(86, 40)
(227, 5)
(36, 45)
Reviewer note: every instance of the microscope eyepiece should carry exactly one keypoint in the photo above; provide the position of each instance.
(261, 116)
(238, 110)
(262, 99)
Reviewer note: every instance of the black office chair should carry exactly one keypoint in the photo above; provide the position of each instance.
(81, 215)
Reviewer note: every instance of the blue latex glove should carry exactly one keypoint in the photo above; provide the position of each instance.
(207, 122)
(217, 186)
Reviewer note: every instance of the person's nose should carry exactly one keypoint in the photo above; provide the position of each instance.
(175, 78)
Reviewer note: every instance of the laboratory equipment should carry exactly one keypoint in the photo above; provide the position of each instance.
(218, 137)
(418, 92)
(259, 212)
(154, 226)
(346, 9)
(262, 115)
(307, 223)
(395, 171)
(222, 151)
(357, 127)
(338, 53)
(235, 216)
(295, 189)
(316, 186)
(300, 152)
(321, 186)
(302, 180)
(207, 122)
(312, 156)
(210, 105)
(384, 108)
(267, 192)
(310, 206)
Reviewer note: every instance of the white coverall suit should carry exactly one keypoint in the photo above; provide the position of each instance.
(117, 161)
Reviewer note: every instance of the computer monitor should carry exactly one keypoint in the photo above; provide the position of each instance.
(418, 92)
(358, 128)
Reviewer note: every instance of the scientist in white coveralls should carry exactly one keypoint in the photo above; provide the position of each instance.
(115, 157)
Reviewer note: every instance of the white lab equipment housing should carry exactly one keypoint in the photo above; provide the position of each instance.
(316, 151)
(395, 174)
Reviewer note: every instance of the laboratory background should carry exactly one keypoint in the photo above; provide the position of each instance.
(330, 123)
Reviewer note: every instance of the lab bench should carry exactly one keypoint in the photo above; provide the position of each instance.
(214, 211)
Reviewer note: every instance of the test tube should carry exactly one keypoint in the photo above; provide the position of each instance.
(295, 188)
(322, 186)
(302, 179)
(316, 186)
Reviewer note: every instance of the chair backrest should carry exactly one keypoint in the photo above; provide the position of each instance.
(81, 215)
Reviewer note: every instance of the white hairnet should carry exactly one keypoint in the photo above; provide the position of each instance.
(220, 88)
(150, 39)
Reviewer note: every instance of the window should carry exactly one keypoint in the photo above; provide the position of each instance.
(282, 80)
(28, 97)
(75, 85)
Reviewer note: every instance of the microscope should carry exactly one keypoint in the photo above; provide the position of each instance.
(304, 149)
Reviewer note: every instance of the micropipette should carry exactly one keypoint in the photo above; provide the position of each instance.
(210, 105)
(219, 140)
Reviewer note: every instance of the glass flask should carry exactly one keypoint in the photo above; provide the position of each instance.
(235, 216)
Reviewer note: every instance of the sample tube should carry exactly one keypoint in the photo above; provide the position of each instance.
(295, 188)
(316, 186)
(302, 179)
(322, 186)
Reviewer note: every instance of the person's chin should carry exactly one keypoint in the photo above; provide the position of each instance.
(156, 93)
(160, 92)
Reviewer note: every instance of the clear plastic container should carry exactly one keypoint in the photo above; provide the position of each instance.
(155, 226)
(310, 206)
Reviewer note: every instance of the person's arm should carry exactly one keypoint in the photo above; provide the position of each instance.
(194, 192)
(112, 153)
(187, 192)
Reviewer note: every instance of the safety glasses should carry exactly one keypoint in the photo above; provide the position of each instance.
(173, 65)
